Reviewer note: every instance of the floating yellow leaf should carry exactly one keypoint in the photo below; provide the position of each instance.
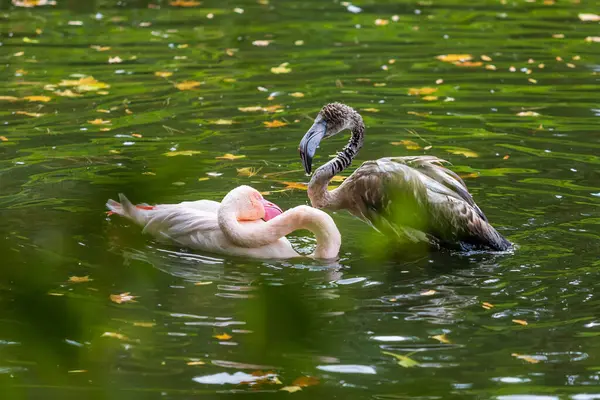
(519, 321)
(87, 84)
(250, 109)
(380, 84)
(115, 60)
(451, 58)
(261, 43)
(29, 40)
(295, 185)
(44, 99)
(468, 63)
(441, 338)
(77, 371)
(3, 139)
(79, 279)
(144, 324)
(182, 153)
(163, 74)
(528, 114)
(99, 121)
(281, 69)
(229, 156)
(185, 3)
(381, 22)
(462, 151)
(297, 94)
(403, 361)
(223, 336)
(203, 283)
(273, 108)
(115, 335)
(195, 363)
(137, 135)
(291, 389)
(529, 359)
(371, 109)
(429, 98)
(67, 93)
(589, 17)
(486, 58)
(305, 381)
(222, 122)
(187, 85)
(122, 298)
(490, 67)
(274, 124)
(421, 91)
(338, 178)
(593, 39)
(100, 48)
(33, 3)
(487, 305)
(8, 98)
(409, 144)
(29, 114)
(248, 171)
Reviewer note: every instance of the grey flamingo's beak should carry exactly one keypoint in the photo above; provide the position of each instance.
(310, 143)
(271, 210)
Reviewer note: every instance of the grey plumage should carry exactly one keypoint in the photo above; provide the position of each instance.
(414, 198)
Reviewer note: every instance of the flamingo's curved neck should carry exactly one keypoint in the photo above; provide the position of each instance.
(318, 194)
(301, 217)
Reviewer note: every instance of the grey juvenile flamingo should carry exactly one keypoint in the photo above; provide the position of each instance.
(415, 198)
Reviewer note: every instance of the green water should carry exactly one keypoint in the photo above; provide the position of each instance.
(535, 176)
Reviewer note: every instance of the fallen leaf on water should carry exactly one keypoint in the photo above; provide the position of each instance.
(468, 63)
(529, 359)
(137, 135)
(44, 99)
(381, 22)
(238, 10)
(485, 58)
(418, 113)
(195, 363)
(99, 121)
(430, 292)
(79, 279)
(231, 52)
(273, 108)
(429, 98)
(558, 35)
(531, 80)
(100, 48)
(222, 122)
(487, 305)
(305, 381)
(8, 98)
(77, 371)
(403, 361)
(144, 324)
(593, 39)
(229, 156)
(370, 109)
(291, 389)
(223, 336)
(29, 40)
(338, 178)
(520, 321)
(421, 91)
(589, 17)
(274, 124)
(462, 151)
(182, 153)
(3, 139)
(67, 93)
(261, 43)
(185, 3)
(294, 185)
(122, 298)
(187, 85)
(250, 109)
(491, 67)
(281, 69)
(441, 338)
(409, 144)
(163, 74)
(297, 94)
(86, 84)
(381, 84)
(33, 3)
(506, 157)
(115, 335)
(202, 283)
(451, 58)
(29, 114)
(248, 171)
(528, 114)
(115, 60)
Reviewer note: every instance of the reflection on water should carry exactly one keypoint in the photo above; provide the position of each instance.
(182, 100)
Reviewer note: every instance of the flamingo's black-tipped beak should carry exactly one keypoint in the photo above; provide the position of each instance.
(310, 142)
